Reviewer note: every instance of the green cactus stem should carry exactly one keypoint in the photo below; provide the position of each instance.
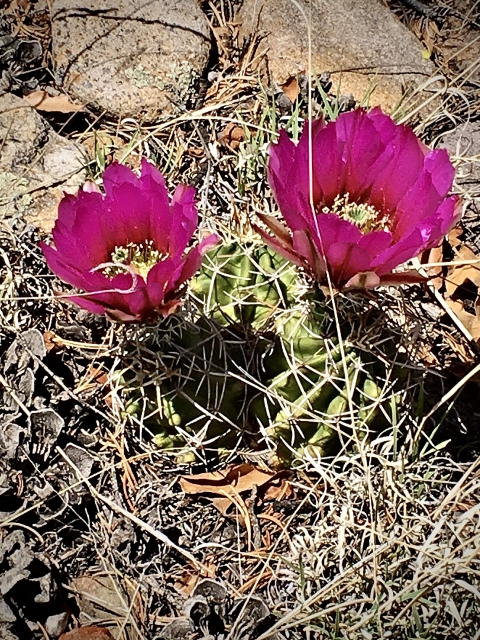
(260, 367)
(194, 390)
(305, 404)
(244, 285)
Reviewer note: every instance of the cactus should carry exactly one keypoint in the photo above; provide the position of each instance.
(195, 390)
(306, 405)
(244, 285)
(259, 358)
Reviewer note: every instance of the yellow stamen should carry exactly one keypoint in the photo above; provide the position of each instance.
(365, 216)
(139, 257)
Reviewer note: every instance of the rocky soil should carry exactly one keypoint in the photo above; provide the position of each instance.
(101, 534)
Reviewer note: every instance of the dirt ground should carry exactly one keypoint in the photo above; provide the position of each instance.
(99, 527)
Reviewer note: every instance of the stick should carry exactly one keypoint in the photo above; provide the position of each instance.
(143, 525)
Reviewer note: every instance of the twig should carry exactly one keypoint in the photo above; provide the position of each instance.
(438, 296)
(257, 534)
(143, 525)
(422, 8)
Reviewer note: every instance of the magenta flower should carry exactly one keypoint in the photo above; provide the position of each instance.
(127, 249)
(379, 199)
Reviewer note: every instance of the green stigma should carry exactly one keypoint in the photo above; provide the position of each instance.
(140, 258)
(365, 216)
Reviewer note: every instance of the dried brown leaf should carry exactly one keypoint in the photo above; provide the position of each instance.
(224, 505)
(195, 152)
(42, 101)
(461, 282)
(103, 597)
(235, 479)
(281, 489)
(471, 321)
(459, 274)
(291, 88)
(185, 582)
(87, 633)
(53, 342)
(232, 136)
(223, 488)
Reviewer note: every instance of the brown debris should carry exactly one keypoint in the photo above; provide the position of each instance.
(291, 88)
(235, 479)
(232, 136)
(87, 633)
(43, 101)
(460, 282)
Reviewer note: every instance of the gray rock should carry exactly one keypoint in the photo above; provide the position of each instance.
(36, 164)
(56, 625)
(133, 58)
(10, 578)
(6, 614)
(24, 133)
(360, 42)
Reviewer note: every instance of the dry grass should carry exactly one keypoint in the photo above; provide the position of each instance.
(380, 539)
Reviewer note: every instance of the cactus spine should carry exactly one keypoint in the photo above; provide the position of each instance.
(259, 358)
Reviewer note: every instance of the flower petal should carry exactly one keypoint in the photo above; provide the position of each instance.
(289, 176)
(363, 280)
(133, 211)
(375, 242)
(344, 260)
(73, 250)
(158, 278)
(360, 146)
(423, 199)
(377, 163)
(447, 215)
(138, 302)
(406, 157)
(335, 229)
(285, 249)
(89, 234)
(116, 175)
(194, 258)
(154, 188)
(65, 272)
(91, 187)
(327, 163)
(128, 217)
(276, 227)
(87, 304)
(150, 173)
(407, 248)
(313, 258)
(184, 219)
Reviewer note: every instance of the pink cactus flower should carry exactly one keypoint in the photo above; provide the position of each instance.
(127, 249)
(379, 198)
